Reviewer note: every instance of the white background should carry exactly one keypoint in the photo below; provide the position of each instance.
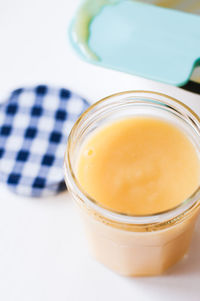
(43, 254)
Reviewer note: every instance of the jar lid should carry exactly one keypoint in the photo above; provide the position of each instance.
(34, 125)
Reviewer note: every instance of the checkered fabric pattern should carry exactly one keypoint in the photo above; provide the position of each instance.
(34, 125)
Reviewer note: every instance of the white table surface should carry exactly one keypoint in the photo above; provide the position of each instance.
(43, 253)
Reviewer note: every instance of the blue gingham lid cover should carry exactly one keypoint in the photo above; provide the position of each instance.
(34, 125)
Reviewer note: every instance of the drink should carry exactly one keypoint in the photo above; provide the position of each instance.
(136, 181)
(138, 166)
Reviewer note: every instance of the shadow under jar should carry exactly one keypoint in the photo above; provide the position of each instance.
(134, 245)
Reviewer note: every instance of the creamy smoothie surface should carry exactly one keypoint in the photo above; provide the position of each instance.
(138, 166)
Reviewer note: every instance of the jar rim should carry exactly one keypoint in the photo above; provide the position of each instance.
(182, 209)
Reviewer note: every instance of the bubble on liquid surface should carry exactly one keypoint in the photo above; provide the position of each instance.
(89, 152)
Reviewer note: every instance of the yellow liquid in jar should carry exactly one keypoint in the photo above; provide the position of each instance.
(138, 166)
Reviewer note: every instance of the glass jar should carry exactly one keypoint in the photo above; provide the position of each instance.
(134, 245)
